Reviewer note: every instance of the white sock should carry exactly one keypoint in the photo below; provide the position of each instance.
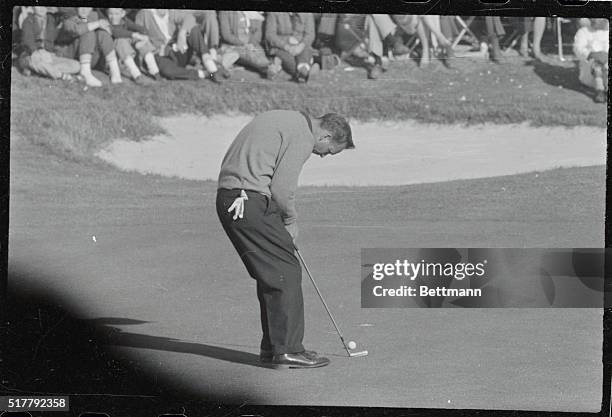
(85, 71)
(209, 63)
(132, 67)
(151, 64)
(113, 67)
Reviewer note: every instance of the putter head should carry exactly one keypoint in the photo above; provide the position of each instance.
(357, 354)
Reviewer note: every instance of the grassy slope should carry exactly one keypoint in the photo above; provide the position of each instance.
(72, 122)
(558, 207)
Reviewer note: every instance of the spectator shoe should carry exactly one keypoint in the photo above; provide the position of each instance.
(143, 81)
(600, 97)
(223, 72)
(303, 74)
(298, 360)
(215, 77)
(374, 72)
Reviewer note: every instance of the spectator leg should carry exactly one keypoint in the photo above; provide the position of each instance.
(171, 70)
(494, 52)
(65, 65)
(539, 24)
(41, 63)
(423, 35)
(389, 32)
(88, 57)
(151, 63)
(598, 71)
(198, 42)
(107, 47)
(210, 28)
(126, 53)
(249, 57)
(432, 23)
(287, 61)
(374, 36)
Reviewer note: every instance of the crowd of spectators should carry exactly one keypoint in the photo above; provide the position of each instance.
(148, 45)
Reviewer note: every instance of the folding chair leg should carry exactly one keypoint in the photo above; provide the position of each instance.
(559, 39)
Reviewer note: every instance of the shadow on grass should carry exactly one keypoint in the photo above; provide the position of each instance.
(116, 337)
(48, 349)
(558, 75)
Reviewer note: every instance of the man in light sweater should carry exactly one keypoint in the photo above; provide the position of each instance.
(256, 206)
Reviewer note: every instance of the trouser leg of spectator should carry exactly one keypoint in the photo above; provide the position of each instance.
(41, 63)
(597, 70)
(171, 70)
(107, 47)
(65, 65)
(539, 24)
(198, 42)
(432, 23)
(304, 57)
(86, 50)
(326, 30)
(151, 63)
(384, 24)
(126, 53)
(494, 52)
(266, 249)
(374, 36)
(287, 61)
(423, 35)
(210, 28)
(249, 56)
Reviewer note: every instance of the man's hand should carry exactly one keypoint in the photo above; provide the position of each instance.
(293, 230)
(238, 206)
(181, 41)
(299, 48)
(140, 37)
(105, 26)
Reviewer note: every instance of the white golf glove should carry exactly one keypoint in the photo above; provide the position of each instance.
(238, 205)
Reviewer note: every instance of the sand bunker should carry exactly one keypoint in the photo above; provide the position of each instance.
(388, 153)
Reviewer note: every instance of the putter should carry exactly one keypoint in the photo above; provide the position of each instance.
(351, 354)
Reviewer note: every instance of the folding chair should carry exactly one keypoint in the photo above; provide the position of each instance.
(559, 28)
(465, 29)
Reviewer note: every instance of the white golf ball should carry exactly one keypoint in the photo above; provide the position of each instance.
(352, 345)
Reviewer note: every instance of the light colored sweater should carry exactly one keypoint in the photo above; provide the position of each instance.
(267, 156)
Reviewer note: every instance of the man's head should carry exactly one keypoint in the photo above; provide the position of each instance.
(83, 12)
(161, 12)
(40, 11)
(332, 135)
(600, 24)
(115, 15)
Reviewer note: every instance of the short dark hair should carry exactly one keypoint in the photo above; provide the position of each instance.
(339, 128)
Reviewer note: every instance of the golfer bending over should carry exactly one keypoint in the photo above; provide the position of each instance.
(256, 206)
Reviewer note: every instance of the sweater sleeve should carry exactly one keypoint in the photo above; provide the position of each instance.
(121, 31)
(184, 20)
(285, 180)
(75, 27)
(309, 30)
(133, 27)
(226, 30)
(28, 37)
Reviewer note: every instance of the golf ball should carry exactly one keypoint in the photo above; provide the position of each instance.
(352, 345)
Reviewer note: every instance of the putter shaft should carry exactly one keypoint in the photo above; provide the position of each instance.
(323, 301)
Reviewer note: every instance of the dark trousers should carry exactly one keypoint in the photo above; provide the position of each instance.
(266, 248)
(290, 62)
(172, 65)
(98, 43)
